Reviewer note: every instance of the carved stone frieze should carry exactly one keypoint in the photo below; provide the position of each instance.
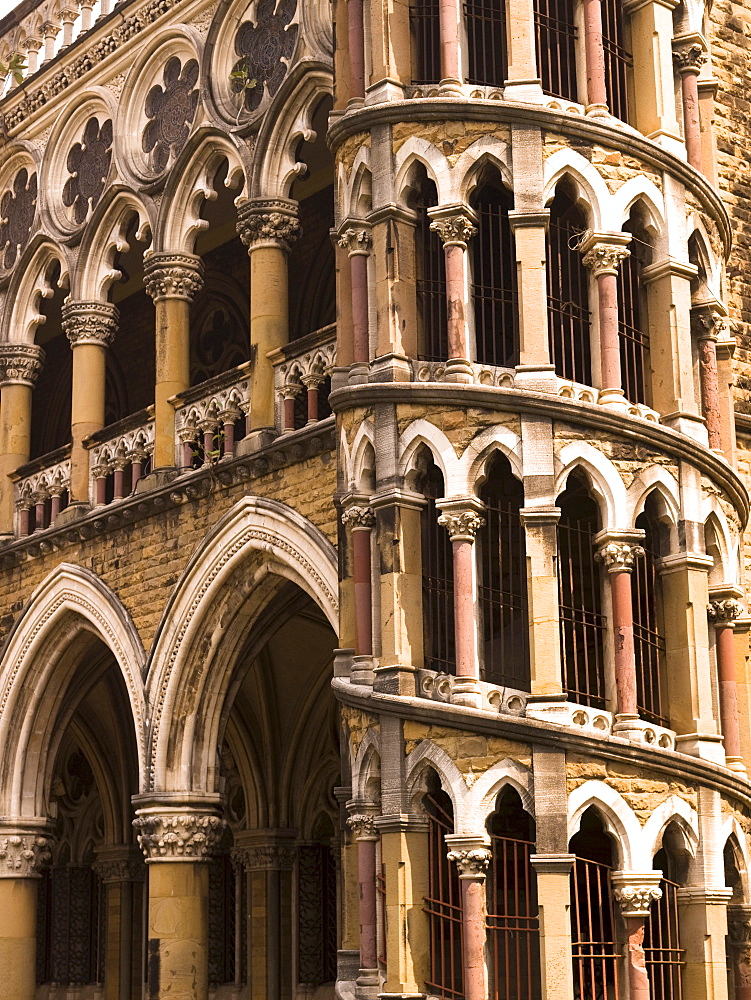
(173, 276)
(120, 870)
(270, 857)
(362, 826)
(23, 853)
(90, 322)
(271, 221)
(178, 836)
(20, 363)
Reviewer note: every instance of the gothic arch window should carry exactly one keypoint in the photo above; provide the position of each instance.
(503, 580)
(582, 623)
(632, 314)
(437, 578)
(663, 955)
(219, 330)
(649, 633)
(556, 34)
(425, 40)
(443, 902)
(512, 922)
(494, 278)
(485, 25)
(568, 291)
(618, 59)
(50, 416)
(595, 952)
(430, 278)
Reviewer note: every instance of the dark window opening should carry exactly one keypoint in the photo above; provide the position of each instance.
(632, 328)
(443, 902)
(223, 886)
(425, 36)
(485, 22)
(430, 281)
(503, 580)
(568, 292)
(556, 47)
(618, 60)
(437, 580)
(494, 280)
(582, 624)
(316, 914)
(663, 955)
(649, 641)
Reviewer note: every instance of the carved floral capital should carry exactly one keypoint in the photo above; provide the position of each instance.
(356, 241)
(358, 518)
(706, 323)
(635, 899)
(269, 221)
(454, 230)
(120, 870)
(471, 863)
(178, 836)
(605, 258)
(270, 857)
(461, 525)
(23, 853)
(20, 364)
(173, 276)
(90, 323)
(618, 557)
(689, 58)
(724, 612)
(363, 826)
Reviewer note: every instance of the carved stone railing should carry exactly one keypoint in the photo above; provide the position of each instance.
(210, 417)
(41, 489)
(120, 455)
(433, 371)
(302, 372)
(495, 698)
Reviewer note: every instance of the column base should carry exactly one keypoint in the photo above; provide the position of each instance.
(367, 984)
(614, 399)
(384, 91)
(343, 662)
(465, 691)
(524, 91)
(690, 424)
(536, 378)
(597, 111)
(74, 512)
(257, 440)
(358, 373)
(395, 678)
(155, 479)
(391, 368)
(636, 730)
(458, 370)
(450, 88)
(707, 746)
(362, 669)
(736, 764)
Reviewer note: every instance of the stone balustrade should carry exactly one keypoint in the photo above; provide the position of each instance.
(41, 491)
(210, 417)
(119, 456)
(302, 371)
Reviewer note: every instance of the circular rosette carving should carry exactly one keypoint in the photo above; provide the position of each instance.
(170, 108)
(17, 210)
(88, 165)
(265, 49)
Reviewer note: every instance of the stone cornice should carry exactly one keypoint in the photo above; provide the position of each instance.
(430, 109)
(546, 734)
(642, 432)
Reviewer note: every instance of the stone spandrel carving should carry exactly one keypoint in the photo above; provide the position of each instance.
(171, 108)
(17, 209)
(263, 48)
(88, 165)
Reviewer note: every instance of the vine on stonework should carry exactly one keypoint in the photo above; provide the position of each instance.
(17, 210)
(262, 47)
(171, 108)
(88, 165)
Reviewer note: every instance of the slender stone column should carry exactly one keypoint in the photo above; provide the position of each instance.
(705, 324)
(270, 866)
(90, 328)
(689, 56)
(739, 935)
(617, 552)
(450, 22)
(360, 520)
(602, 255)
(635, 892)
(523, 78)
(177, 843)
(20, 365)
(455, 225)
(597, 94)
(554, 914)
(356, 39)
(268, 227)
(724, 351)
(362, 826)
(472, 857)
(172, 280)
(119, 868)
(722, 613)
(23, 852)
(357, 242)
(462, 521)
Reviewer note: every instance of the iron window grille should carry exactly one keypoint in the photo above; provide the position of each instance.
(634, 341)
(568, 293)
(485, 22)
(649, 643)
(443, 903)
(437, 581)
(663, 955)
(556, 35)
(593, 947)
(494, 280)
(618, 60)
(430, 284)
(424, 29)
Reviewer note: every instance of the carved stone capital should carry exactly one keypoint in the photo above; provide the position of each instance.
(20, 364)
(636, 891)
(472, 863)
(462, 525)
(618, 557)
(177, 836)
(123, 867)
(358, 518)
(357, 242)
(23, 853)
(689, 57)
(270, 857)
(90, 323)
(706, 323)
(605, 258)
(173, 276)
(739, 926)
(362, 826)
(724, 612)
(269, 222)
(454, 230)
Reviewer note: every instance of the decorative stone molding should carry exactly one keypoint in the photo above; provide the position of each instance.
(89, 166)
(356, 241)
(265, 50)
(20, 364)
(178, 836)
(173, 275)
(120, 869)
(724, 612)
(363, 826)
(472, 863)
(462, 525)
(604, 258)
(358, 518)
(23, 853)
(50, 481)
(90, 323)
(171, 109)
(635, 892)
(268, 222)
(454, 230)
(689, 57)
(618, 557)
(739, 927)
(270, 857)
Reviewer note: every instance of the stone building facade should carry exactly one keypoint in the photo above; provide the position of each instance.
(375, 444)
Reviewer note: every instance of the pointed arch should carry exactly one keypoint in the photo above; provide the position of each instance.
(477, 456)
(636, 189)
(70, 600)
(422, 432)
(487, 151)
(618, 816)
(655, 478)
(362, 460)
(418, 150)
(589, 184)
(488, 787)
(29, 285)
(426, 755)
(604, 478)
(673, 809)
